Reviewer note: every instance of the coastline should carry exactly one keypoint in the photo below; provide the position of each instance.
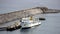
(5, 18)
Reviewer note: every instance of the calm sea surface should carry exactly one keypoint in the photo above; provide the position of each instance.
(50, 26)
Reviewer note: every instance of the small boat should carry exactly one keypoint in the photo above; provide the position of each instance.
(42, 19)
(13, 27)
(29, 22)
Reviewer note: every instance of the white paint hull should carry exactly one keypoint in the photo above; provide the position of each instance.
(29, 22)
(31, 25)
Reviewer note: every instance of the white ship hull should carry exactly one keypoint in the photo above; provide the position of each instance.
(31, 25)
(27, 23)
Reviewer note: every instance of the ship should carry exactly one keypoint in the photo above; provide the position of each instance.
(29, 22)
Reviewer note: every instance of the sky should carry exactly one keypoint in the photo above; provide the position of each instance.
(7, 6)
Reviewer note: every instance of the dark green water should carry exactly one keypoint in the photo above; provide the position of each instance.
(50, 26)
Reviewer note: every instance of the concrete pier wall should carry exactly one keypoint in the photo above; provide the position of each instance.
(4, 18)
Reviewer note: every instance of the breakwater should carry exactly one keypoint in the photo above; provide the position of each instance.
(5, 18)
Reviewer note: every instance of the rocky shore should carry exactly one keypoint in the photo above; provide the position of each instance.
(5, 18)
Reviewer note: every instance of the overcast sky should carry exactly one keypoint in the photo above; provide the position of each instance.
(13, 5)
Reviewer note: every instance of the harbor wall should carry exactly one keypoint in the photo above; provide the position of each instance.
(12, 16)
(5, 18)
